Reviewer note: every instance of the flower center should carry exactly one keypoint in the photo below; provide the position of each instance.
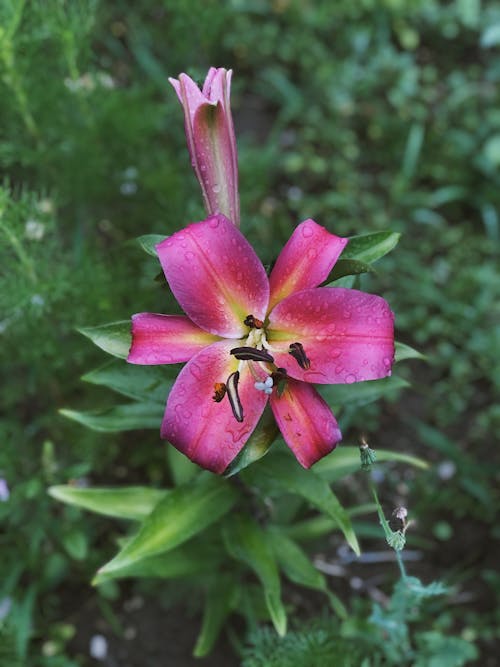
(255, 353)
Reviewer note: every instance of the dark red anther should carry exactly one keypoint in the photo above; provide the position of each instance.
(298, 353)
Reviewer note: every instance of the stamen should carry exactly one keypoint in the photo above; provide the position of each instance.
(279, 378)
(253, 322)
(232, 394)
(251, 354)
(219, 391)
(298, 353)
(266, 386)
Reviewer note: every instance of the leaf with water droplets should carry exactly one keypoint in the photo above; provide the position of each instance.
(347, 267)
(370, 247)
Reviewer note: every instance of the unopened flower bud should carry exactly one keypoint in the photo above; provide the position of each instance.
(367, 455)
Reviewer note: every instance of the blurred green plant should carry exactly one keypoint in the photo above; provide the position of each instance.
(374, 115)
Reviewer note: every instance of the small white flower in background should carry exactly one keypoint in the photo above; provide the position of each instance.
(34, 230)
(4, 491)
(446, 470)
(45, 206)
(98, 647)
(105, 80)
(37, 300)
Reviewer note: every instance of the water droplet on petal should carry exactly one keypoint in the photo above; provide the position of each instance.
(189, 255)
(214, 223)
(216, 188)
(350, 378)
(307, 232)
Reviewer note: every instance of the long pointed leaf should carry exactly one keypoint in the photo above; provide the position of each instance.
(281, 472)
(133, 502)
(187, 560)
(184, 512)
(114, 338)
(143, 383)
(120, 417)
(298, 568)
(245, 541)
(370, 247)
(345, 460)
(217, 608)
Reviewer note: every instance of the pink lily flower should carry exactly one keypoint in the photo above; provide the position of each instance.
(249, 339)
(211, 139)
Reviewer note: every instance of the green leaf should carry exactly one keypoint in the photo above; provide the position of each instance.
(282, 473)
(257, 445)
(114, 338)
(246, 541)
(361, 393)
(345, 460)
(148, 242)
(120, 417)
(75, 543)
(347, 267)
(406, 352)
(187, 560)
(370, 247)
(298, 568)
(181, 514)
(218, 601)
(144, 383)
(132, 502)
(181, 468)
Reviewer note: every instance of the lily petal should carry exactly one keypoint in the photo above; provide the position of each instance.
(305, 261)
(211, 139)
(215, 150)
(305, 421)
(165, 339)
(215, 275)
(347, 335)
(204, 430)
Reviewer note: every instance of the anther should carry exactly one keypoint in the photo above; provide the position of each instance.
(253, 322)
(298, 353)
(232, 394)
(251, 354)
(219, 391)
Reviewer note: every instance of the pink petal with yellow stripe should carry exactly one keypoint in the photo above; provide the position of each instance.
(305, 261)
(215, 276)
(346, 335)
(165, 339)
(204, 430)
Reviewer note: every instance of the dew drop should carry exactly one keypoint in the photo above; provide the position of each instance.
(350, 378)
(216, 188)
(214, 223)
(307, 232)
(312, 253)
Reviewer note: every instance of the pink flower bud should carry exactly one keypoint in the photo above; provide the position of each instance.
(211, 139)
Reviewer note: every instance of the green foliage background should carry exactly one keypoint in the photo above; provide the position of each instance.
(369, 115)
